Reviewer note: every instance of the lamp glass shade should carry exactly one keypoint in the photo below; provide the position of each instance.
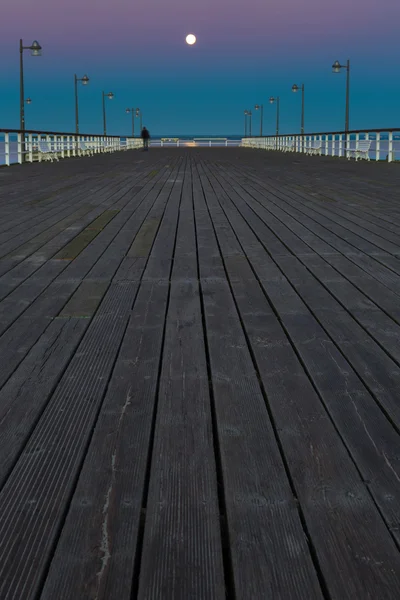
(36, 49)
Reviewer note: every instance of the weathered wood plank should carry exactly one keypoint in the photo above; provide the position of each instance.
(46, 471)
(338, 474)
(183, 493)
(268, 545)
(97, 554)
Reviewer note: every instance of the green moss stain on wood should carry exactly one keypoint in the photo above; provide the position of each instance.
(143, 242)
(83, 239)
(85, 300)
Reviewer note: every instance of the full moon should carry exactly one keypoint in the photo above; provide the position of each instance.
(190, 39)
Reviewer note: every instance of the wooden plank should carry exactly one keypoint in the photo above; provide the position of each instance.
(84, 238)
(46, 471)
(330, 474)
(25, 395)
(97, 554)
(85, 300)
(143, 242)
(183, 493)
(183, 487)
(262, 518)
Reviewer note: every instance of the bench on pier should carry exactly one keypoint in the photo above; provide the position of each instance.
(315, 148)
(361, 151)
(289, 147)
(46, 152)
(108, 148)
(83, 149)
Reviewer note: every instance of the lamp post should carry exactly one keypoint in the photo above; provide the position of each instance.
(132, 110)
(110, 95)
(36, 50)
(272, 100)
(245, 123)
(138, 113)
(336, 68)
(28, 101)
(249, 114)
(85, 80)
(260, 107)
(295, 89)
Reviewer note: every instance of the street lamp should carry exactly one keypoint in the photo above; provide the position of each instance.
(36, 50)
(272, 100)
(296, 88)
(245, 123)
(110, 95)
(336, 68)
(261, 108)
(85, 80)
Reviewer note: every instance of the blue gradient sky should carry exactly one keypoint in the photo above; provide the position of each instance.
(247, 50)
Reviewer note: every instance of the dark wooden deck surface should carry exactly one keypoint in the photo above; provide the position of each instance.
(200, 382)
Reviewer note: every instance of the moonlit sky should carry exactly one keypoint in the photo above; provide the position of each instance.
(246, 51)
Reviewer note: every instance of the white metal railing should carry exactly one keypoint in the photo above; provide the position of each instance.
(193, 142)
(18, 147)
(372, 144)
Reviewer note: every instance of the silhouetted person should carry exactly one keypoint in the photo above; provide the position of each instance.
(145, 138)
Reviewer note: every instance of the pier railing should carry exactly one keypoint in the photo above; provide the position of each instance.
(374, 144)
(19, 147)
(194, 142)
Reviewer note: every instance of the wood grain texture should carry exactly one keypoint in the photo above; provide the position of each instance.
(199, 377)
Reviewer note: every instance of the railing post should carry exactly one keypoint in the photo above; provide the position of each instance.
(7, 148)
(340, 145)
(366, 139)
(326, 145)
(333, 145)
(348, 145)
(357, 144)
(30, 146)
(19, 148)
(391, 153)
(378, 147)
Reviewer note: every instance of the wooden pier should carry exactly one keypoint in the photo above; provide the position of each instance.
(199, 377)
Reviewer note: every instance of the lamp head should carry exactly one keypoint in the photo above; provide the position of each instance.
(257, 107)
(28, 101)
(128, 110)
(336, 66)
(85, 80)
(110, 95)
(36, 49)
(271, 100)
(295, 88)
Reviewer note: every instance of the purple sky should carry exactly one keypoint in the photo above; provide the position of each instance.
(247, 50)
